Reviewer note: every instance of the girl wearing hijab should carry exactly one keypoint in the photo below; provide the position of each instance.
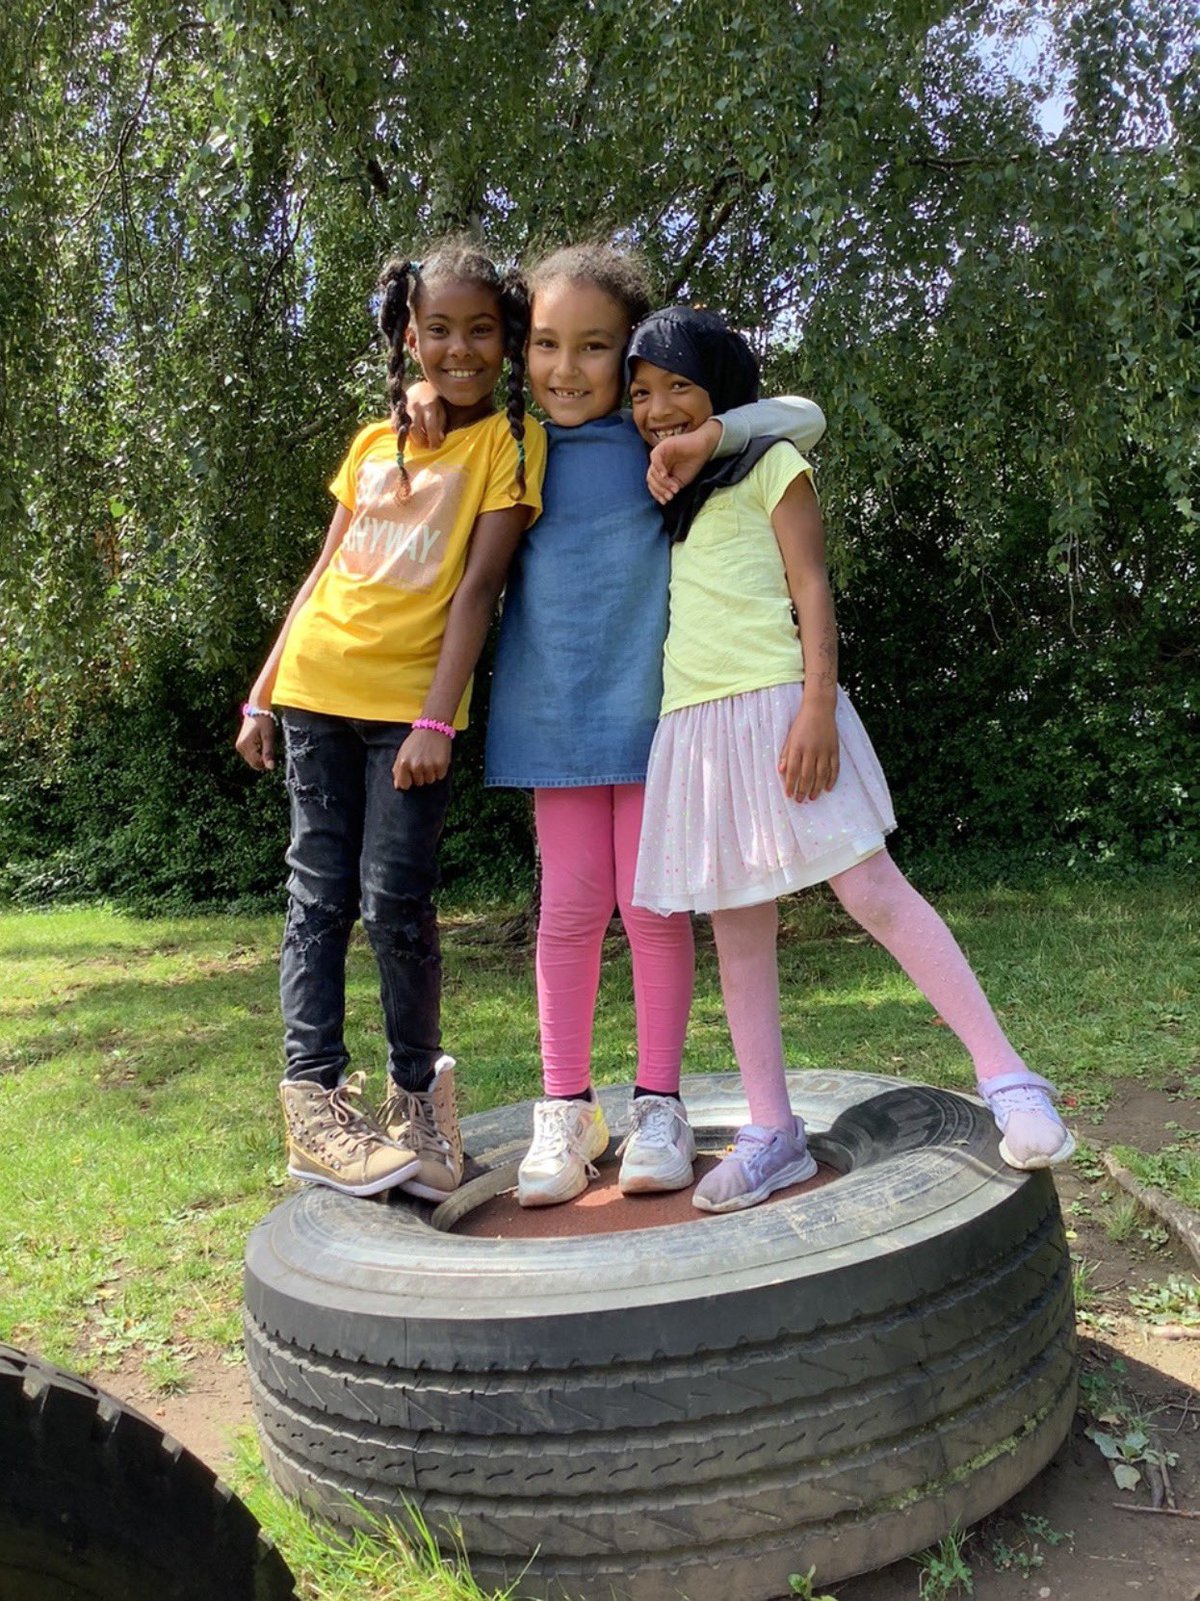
(762, 779)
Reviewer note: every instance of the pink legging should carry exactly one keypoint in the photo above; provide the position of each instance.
(588, 839)
(879, 897)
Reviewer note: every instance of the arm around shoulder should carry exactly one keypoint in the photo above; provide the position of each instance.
(787, 416)
(674, 463)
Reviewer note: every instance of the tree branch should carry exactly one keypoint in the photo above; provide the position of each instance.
(282, 256)
(1060, 150)
(380, 181)
(831, 56)
(707, 229)
(589, 83)
(130, 127)
(316, 425)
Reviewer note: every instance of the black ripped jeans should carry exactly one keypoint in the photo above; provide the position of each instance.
(359, 844)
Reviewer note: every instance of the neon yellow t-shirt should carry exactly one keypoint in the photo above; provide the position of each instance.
(732, 628)
(366, 641)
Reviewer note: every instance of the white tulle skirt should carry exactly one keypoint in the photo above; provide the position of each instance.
(718, 830)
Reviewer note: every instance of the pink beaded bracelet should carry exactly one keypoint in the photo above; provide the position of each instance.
(434, 726)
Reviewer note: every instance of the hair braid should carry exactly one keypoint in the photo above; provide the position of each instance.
(394, 305)
(514, 315)
(402, 281)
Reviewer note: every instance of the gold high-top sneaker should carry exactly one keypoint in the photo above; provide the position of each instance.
(428, 1123)
(331, 1141)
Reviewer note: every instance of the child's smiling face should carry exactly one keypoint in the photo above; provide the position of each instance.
(666, 403)
(456, 334)
(576, 346)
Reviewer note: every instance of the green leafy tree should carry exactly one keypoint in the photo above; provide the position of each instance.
(997, 314)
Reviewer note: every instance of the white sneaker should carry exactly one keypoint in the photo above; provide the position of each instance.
(568, 1136)
(659, 1149)
(1032, 1133)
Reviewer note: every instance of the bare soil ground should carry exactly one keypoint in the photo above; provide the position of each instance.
(1104, 1551)
(1071, 1535)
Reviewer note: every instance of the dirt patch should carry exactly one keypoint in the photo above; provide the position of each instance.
(205, 1418)
(1139, 1116)
(1069, 1536)
(1063, 1537)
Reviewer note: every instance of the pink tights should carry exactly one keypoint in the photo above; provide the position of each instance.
(879, 897)
(588, 839)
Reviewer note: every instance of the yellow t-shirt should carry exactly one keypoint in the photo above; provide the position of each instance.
(731, 626)
(366, 641)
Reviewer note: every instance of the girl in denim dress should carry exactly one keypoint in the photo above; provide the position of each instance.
(574, 704)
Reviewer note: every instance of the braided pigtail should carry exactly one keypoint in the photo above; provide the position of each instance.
(514, 316)
(395, 282)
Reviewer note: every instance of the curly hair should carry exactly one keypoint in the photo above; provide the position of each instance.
(621, 274)
(454, 260)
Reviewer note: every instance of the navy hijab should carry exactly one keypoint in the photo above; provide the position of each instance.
(700, 346)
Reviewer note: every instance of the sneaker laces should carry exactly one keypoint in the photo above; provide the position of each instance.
(654, 1122)
(353, 1124)
(1023, 1098)
(555, 1132)
(750, 1145)
(416, 1109)
(747, 1142)
(726, 1180)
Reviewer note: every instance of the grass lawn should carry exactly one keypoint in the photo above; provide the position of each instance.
(139, 1062)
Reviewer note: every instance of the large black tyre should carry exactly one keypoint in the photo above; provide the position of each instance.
(98, 1504)
(835, 1378)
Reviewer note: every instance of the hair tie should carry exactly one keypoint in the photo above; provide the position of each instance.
(415, 268)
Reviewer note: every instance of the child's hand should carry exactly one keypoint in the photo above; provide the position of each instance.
(808, 761)
(256, 743)
(423, 758)
(427, 412)
(675, 462)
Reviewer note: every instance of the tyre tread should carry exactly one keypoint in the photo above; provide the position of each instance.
(92, 1492)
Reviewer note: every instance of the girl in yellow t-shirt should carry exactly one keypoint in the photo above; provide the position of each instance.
(762, 779)
(370, 677)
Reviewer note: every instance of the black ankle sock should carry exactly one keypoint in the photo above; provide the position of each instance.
(584, 1095)
(419, 1085)
(667, 1095)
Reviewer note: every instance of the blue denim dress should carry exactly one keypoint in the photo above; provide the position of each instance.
(577, 682)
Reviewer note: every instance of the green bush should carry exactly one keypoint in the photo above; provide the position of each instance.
(1025, 717)
(1026, 720)
(153, 808)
